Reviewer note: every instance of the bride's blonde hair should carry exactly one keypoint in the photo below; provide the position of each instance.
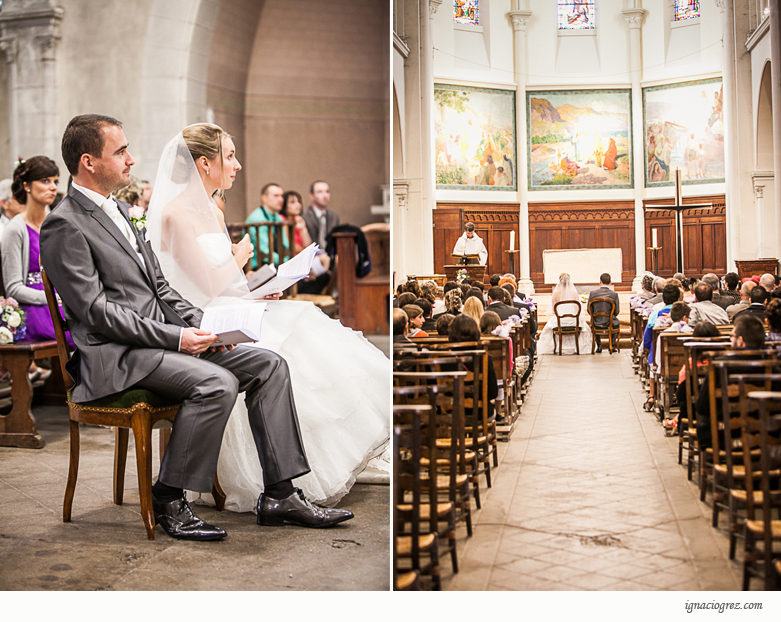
(205, 140)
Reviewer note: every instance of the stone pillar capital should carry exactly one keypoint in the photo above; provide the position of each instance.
(48, 44)
(634, 17)
(520, 19)
(10, 47)
(759, 191)
(433, 5)
(720, 4)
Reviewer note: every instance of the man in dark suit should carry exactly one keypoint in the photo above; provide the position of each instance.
(495, 298)
(320, 220)
(604, 307)
(132, 330)
(758, 298)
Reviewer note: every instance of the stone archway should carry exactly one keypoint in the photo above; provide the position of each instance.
(764, 129)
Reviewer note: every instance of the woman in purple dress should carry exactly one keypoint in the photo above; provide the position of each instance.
(34, 186)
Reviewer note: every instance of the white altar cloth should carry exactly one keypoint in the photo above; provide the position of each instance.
(584, 265)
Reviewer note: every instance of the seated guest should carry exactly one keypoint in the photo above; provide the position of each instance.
(443, 323)
(415, 319)
(745, 299)
(474, 292)
(773, 317)
(463, 328)
(400, 327)
(645, 292)
(412, 287)
(429, 324)
(271, 199)
(428, 291)
(453, 302)
(731, 293)
(670, 294)
(489, 322)
(473, 307)
(603, 307)
(757, 296)
(35, 186)
(494, 280)
(9, 206)
(688, 293)
(705, 309)
(439, 303)
(399, 292)
(748, 333)
(496, 304)
(648, 305)
(712, 280)
(676, 322)
(464, 287)
(776, 293)
(768, 281)
(407, 298)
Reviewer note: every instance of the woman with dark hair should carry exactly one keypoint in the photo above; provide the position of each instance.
(465, 328)
(291, 210)
(35, 187)
(773, 317)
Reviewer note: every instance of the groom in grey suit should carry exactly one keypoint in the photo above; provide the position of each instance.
(604, 307)
(131, 329)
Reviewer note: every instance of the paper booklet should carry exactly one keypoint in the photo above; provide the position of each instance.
(288, 274)
(234, 324)
(261, 276)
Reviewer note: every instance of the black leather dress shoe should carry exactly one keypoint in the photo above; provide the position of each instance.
(298, 510)
(179, 521)
(599, 350)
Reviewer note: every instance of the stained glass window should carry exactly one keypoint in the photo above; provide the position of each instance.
(686, 9)
(576, 15)
(466, 12)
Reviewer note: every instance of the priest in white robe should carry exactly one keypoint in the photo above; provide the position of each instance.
(471, 244)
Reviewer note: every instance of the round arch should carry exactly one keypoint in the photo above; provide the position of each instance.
(764, 130)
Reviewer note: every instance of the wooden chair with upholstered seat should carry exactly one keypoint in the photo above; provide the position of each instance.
(135, 409)
(561, 331)
(603, 331)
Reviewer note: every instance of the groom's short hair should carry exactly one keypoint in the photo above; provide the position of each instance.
(84, 135)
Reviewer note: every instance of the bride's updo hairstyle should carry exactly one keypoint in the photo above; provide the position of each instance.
(205, 140)
(28, 171)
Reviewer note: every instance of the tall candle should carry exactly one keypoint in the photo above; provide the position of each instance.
(653, 238)
(512, 240)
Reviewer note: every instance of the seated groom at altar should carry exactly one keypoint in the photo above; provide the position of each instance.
(603, 307)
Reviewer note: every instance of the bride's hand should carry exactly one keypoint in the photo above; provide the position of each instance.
(243, 251)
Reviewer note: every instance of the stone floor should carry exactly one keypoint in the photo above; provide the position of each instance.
(589, 495)
(105, 546)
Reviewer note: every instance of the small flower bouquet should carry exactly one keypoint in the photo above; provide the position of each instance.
(584, 298)
(137, 217)
(461, 275)
(12, 326)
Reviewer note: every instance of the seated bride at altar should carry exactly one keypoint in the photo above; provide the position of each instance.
(565, 291)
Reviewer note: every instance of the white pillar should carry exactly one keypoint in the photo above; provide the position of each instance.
(759, 194)
(634, 19)
(775, 77)
(731, 172)
(520, 18)
(9, 45)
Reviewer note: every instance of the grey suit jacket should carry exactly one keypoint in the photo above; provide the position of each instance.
(122, 314)
(603, 307)
(313, 222)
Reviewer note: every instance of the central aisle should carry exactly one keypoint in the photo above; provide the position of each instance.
(589, 495)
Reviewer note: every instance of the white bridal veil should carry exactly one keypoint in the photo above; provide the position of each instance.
(564, 290)
(185, 233)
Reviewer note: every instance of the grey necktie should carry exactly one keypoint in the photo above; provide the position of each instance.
(321, 240)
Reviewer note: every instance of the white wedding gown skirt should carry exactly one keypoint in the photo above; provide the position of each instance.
(341, 387)
(545, 344)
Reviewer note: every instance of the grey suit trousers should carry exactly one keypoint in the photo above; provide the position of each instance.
(208, 386)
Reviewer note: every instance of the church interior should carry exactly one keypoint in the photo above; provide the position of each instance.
(303, 90)
(577, 140)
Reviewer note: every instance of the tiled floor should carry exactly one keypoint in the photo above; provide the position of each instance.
(589, 495)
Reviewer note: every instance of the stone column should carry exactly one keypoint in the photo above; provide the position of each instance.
(520, 18)
(428, 187)
(759, 194)
(731, 172)
(30, 37)
(634, 19)
(775, 76)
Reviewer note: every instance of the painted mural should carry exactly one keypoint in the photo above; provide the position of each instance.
(579, 139)
(684, 129)
(475, 138)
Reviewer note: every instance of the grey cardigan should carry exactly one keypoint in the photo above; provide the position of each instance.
(15, 248)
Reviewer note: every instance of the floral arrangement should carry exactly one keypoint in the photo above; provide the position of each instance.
(584, 298)
(12, 326)
(137, 217)
(461, 275)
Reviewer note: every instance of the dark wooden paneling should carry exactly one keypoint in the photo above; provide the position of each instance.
(604, 224)
(704, 237)
(493, 223)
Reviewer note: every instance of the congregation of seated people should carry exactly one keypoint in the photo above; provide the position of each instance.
(439, 332)
(690, 336)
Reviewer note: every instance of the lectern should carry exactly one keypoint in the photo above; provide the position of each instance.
(466, 260)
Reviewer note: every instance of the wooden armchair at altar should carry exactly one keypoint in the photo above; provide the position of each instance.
(136, 409)
(604, 331)
(561, 331)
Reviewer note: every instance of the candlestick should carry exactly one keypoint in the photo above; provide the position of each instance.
(653, 238)
(512, 240)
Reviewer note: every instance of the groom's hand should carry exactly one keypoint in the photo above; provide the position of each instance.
(195, 340)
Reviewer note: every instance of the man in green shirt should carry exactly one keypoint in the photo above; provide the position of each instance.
(271, 199)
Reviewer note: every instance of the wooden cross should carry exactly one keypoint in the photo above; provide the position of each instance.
(679, 208)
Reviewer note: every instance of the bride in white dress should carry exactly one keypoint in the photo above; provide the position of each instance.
(565, 290)
(341, 382)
